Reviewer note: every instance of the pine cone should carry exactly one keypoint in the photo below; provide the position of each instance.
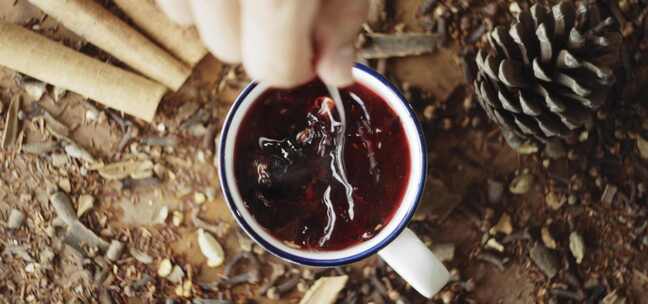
(544, 78)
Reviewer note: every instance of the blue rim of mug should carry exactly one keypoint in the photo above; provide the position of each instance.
(296, 258)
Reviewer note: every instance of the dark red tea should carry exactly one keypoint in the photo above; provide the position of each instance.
(285, 165)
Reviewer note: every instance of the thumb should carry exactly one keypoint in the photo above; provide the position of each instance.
(337, 28)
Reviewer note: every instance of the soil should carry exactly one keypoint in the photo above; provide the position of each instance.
(594, 192)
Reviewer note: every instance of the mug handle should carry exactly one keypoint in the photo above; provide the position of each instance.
(415, 263)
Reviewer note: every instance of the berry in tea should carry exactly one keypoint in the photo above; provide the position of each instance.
(291, 175)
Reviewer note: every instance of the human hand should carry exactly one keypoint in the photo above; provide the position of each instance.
(282, 42)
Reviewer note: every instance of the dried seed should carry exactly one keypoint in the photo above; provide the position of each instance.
(121, 170)
(521, 184)
(503, 225)
(86, 202)
(165, 268)
(176, 275)
(577, 246)
(177, 218)
(495, 245)
(199, 198)
(547, 239)
(114, 250)
(545, 260)
(210, 248)
(16, 219)
(554, 201)
(325, 290)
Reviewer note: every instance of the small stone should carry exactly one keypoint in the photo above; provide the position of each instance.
(545, 260)
(547, 239)
(429, 112)
(176, 275)
(165, 267)
(16, 219)
(161, 128)
(572, 200)
(577, 246)
(553, 200)
(495, 191)
(86, 202)
(503, 225)
(199, 198)
(521, 184)
(495, 245)
(177, 218)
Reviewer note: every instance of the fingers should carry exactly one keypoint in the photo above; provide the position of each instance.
(277, 44)
(178, 10)
(338, 25)
(219, 25)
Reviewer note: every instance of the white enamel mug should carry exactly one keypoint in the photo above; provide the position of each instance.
(397, 245)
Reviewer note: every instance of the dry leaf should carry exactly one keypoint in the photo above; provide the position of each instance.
(11, 124)
(120, 170)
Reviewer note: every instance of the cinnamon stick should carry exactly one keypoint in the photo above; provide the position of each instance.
(183, 42)
(101, 28)
(32, 54)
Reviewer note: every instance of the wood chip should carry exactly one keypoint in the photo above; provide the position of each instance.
(120, 170)
(325, 290)
(57, 128)
(39, 148)
(10, 133)
(545, 260)
(86, 202)
(399, 45)
(609, 193)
